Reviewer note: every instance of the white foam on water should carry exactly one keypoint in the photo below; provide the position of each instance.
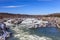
(19, 33)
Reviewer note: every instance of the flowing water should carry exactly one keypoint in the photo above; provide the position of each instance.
(43, 33)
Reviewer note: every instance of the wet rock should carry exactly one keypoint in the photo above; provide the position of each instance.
(4, 32)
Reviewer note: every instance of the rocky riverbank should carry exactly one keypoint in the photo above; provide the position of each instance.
(40, 22)
(20, 27)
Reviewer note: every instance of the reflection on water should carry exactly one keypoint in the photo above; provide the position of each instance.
(52, 32)
(48, 31)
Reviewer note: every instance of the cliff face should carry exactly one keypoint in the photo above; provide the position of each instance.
(10, 15)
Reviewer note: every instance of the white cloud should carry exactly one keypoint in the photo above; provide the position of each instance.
(12, 6)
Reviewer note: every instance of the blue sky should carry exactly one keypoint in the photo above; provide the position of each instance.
(38, 7)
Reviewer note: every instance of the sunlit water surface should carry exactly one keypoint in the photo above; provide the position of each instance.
(46, 33)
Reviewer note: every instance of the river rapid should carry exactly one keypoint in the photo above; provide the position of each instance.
(43, 33)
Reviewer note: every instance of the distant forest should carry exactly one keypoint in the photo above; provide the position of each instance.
(10, 15)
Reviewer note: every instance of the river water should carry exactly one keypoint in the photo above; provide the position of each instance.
(48, 31)
(42, 33)
(51, 32)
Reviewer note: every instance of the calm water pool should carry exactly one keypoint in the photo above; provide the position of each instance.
(51, 32)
